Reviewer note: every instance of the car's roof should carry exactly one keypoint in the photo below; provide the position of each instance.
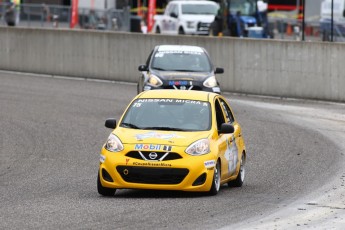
(179, 94)
(177, 48)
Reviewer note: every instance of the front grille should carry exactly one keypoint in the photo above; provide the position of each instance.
(179, 87)
(170, 156)
(202, 26)
(147, 175)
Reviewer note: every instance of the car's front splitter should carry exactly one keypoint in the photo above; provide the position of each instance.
(194, 173)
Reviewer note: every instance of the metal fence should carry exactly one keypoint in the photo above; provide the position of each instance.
(284, 25)
(42, 15)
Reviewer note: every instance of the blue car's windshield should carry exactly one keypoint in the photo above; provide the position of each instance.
(181, 61)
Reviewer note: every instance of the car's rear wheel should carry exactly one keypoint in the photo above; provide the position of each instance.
(103, 190)
(181, 31)
(216, 180)
(240, 176)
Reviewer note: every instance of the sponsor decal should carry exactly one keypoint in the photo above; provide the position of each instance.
(127, 160)
(189, 102)
(210, 163)
(175, 101)
(137, 105)
(178, 83)
(160, 164)
(102, 158)
(179, 52)
(157, 135)
(167, 148)
(155, 100)
(152, 147)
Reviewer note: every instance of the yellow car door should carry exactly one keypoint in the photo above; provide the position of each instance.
(229, 144)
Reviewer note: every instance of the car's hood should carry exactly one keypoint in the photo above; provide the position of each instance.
(158, 137)
(187, 76)
(208, 18)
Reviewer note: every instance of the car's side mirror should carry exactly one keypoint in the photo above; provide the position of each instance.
(110, 123)
(219, 70)
(142, 68)
(226, 128)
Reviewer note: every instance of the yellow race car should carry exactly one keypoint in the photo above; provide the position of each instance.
(173, 140)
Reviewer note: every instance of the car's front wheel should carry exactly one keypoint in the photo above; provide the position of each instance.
(216, 180)
(103, 190)
(240, 176)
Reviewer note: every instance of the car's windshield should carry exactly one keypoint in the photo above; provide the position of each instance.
(168, 114)
(181, 61)
(199, 9)
(247, 7)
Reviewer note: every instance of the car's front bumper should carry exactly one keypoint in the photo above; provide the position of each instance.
(190, 173)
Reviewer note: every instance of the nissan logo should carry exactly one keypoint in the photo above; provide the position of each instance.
(153, 155)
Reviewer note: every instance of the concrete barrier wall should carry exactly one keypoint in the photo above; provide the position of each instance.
(264, 67)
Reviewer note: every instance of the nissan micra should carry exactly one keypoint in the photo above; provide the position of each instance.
(173, 140)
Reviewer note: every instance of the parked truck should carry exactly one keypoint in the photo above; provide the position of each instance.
(186, 17)
(338, 20)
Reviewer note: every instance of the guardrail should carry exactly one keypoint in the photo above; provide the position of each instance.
(312, 70)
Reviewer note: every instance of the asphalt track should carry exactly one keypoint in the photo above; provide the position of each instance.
(52, 130)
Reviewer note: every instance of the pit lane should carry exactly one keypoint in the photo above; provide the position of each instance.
(52, 130)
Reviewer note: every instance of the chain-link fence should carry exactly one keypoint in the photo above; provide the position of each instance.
(56, 16)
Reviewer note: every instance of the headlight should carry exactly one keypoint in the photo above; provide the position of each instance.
(190, 24)
(199, 147)
(155, 81)
(210, 82)
(113, 144)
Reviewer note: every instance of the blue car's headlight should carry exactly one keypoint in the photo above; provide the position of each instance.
(155, 81)
(113, 144)
(210, 82)
(199, 147)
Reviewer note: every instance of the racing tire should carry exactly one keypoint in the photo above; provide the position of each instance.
(240, 177)
(103, 190)
(215, 181)
(181, 31)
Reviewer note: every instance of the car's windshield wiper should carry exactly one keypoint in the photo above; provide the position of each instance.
(164, 128)
(157, 68)
(129, 125)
